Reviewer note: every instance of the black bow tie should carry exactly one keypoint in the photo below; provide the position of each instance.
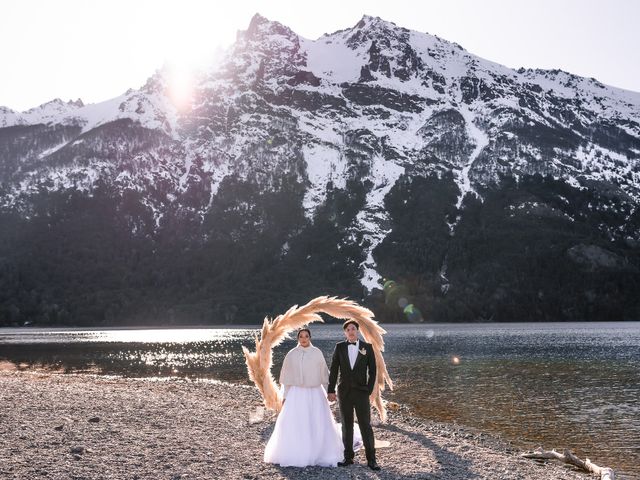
(352, 343)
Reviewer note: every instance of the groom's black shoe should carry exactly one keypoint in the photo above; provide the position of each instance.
(346, 462)
(373, 466)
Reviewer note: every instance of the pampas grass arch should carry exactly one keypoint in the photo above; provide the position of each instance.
(275, 331)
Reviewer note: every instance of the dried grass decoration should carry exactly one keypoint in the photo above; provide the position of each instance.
(274, 332)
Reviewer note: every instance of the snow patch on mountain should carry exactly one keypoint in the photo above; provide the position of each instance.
(481, 140)
(61, 178)
(325, 165)
(603, 100)
(9, 118)
(152, 110)
(331, 59)
(51, 150)
(373, 220)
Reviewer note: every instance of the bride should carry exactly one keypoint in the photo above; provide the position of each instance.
(305, 432)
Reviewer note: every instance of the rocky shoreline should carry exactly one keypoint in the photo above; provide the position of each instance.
(56, 426)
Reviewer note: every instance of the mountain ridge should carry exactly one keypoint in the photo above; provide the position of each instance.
(335, 131)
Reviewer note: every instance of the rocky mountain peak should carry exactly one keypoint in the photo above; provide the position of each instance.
(375, 29)
(261, 27)
(56, 105)
(6, 111)
(374, 23)
(263, 52)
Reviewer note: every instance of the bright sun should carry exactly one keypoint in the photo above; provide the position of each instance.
(181, 80)
(194, 41)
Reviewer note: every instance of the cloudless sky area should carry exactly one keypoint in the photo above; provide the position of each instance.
(96, 50)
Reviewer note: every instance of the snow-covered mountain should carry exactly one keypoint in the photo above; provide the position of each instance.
(411, 150)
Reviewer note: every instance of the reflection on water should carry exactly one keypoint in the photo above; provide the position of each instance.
(590, 407)
(555, 385)
(204, 353)
(130, 335)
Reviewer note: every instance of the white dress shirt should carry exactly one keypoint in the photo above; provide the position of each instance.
(353, 353)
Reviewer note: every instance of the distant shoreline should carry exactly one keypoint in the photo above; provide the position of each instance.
(253, 326)
(82, 425)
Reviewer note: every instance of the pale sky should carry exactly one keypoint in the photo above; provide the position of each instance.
(95, 50)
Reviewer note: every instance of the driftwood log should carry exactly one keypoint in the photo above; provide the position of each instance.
(567, 457)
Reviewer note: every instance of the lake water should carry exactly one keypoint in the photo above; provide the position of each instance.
(556, 385)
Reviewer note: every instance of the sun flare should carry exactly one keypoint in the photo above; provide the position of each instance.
(181, 80)
(195, 40)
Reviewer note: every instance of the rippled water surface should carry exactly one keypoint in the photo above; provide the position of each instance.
(557, 385)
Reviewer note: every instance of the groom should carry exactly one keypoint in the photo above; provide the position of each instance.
(356, 362)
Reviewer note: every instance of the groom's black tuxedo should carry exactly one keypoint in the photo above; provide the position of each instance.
(354, 388)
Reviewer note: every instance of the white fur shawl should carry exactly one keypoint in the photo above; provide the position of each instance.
(304, 367)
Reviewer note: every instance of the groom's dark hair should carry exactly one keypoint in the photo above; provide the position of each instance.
(350, 322)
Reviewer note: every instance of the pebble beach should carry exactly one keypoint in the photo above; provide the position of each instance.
(83, 426)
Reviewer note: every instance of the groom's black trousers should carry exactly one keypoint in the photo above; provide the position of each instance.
(357, 400)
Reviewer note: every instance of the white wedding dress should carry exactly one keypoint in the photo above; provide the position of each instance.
(306, 432)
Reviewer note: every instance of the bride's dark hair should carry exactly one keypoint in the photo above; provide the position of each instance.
(304, 329)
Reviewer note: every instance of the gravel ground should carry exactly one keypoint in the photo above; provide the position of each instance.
(59, 426)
